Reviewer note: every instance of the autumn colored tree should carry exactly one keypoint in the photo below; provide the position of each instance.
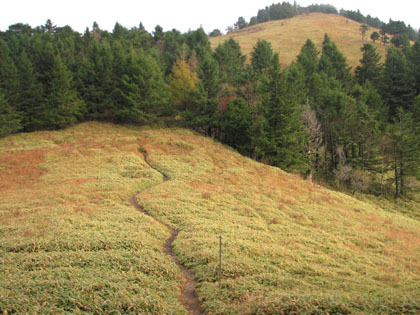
(182, 85)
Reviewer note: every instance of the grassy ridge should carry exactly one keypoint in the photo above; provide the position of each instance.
(70, 241)
(288, 36)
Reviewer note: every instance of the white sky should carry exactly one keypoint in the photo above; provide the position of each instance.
(179, 14)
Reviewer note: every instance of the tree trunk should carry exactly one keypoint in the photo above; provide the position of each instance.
(401, 179)
(396, 177)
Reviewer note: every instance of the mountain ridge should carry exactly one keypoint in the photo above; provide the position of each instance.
(287, 36)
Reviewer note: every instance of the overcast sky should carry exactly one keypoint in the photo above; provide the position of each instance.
(180, 14)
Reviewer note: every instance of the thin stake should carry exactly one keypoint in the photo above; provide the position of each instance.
(220, 259)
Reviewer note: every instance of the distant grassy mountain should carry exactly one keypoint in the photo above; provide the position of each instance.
(70, 240)
(288, 36)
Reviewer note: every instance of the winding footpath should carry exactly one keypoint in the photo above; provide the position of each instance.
(188, 294)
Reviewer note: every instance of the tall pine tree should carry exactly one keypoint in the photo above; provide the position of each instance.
(286, 136)
(63, 105)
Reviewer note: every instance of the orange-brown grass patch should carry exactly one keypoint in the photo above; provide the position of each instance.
(20, 169)
(288, 36)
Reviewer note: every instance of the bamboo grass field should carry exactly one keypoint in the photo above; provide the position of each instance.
(289, 35)
(71, 242)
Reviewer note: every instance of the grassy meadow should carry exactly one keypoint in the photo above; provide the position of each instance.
(288, 36)
(70, 242)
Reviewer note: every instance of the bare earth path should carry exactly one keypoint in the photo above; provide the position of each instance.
(189, 296)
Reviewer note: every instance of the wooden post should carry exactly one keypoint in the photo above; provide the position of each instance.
(220, 259)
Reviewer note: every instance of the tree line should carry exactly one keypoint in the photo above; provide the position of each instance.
(359, 130)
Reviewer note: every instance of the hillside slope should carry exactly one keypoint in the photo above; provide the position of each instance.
(288, 36)
(70, 241)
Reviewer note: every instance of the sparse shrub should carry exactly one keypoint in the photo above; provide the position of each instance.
(359, 181)
(342, 174)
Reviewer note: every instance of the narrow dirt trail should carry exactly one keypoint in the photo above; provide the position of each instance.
(188, 294)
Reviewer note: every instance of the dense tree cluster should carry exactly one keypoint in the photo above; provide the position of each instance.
(314, 117)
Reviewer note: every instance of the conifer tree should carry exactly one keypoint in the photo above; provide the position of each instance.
(308, 58)
(235, 125)
(30, 103)
(143, 91)
(8, 74)
(286, 136)
(333, 62)
(208, 72)
(9, 119)
(369, 68)
(261, 56)
(397, 84)
(414, 57)
(63, 105)
(231, 62)
(98, 85)
(405, 150)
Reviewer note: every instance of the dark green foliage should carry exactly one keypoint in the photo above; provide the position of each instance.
(261, 56)
(63, 107)
(142, 89)
(374, 36)
(401, 41)
(96, 75)
(241, 23)
(414, 58)
(308, 58)
(405, 150)
(8, 73)
(214, 33)
(231, 61)
(397, 84)
(285, 132)
(415, 110)
(9, 119)
(359, 17)
(208, 73)
(369, 68)
(158, 33)
(30, 101)
(323, 8)
(399, 27)
(333, 62)
(235, 124)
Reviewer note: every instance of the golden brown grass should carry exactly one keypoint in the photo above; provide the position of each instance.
(288, 36)
(70, 241)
